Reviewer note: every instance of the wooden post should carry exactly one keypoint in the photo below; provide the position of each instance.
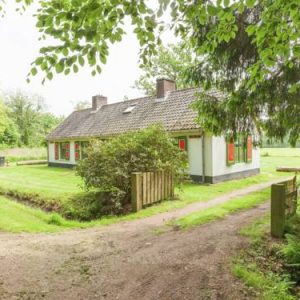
(159, 179)
(167, 184)
(148, 189)
(277, 210)
(172, 186)
(136, 192)
(144, 188)
(152, 188)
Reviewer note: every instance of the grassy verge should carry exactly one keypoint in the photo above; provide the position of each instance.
(270, 267)
(269, 286)
(16, 217)
(222, 210)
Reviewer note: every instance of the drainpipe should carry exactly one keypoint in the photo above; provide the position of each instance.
(203, 157)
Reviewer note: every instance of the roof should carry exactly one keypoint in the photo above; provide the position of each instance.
(173, 112)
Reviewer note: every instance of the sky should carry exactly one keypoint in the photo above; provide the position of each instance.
(20, 46)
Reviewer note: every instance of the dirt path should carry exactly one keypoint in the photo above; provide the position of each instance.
(125, 264)
(127, 260)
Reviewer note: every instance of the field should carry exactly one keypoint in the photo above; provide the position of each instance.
(55, 189)
(19, 154)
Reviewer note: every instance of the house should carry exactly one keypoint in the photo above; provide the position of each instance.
(211, 158)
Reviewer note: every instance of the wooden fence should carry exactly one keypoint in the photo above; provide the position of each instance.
(150, 187)
(283, 205)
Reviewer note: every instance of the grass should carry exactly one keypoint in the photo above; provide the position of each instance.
(48, 188)
(259, 266)
(268, 286)
(257, 230)
(16, 217)
(281, 152)
(19, 154)
(270, 267)
(222, 210)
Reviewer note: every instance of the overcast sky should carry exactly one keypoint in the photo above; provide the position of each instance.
(20, 45)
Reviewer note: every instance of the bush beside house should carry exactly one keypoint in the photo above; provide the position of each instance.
(109, 164)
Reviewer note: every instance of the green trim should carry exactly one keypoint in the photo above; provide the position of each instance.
(186, 141)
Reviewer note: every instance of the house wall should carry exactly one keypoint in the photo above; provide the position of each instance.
(195, 156)
(215, 164)
(221, 171)
(53, 162)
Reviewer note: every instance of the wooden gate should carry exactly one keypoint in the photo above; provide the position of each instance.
(283, 204)
(150, 187)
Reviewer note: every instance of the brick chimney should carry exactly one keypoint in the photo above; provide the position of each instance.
(163, 86)
(98, 101)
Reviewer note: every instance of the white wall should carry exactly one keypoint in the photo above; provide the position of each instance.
(219, 159)
(195, 156)
(51, 153)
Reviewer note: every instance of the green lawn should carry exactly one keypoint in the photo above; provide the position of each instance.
(52, 188)
(285, 152)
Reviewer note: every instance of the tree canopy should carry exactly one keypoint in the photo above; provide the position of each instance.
(25, 120)
(250, 49)
(172, 61)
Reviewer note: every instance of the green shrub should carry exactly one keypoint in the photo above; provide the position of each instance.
(109, 164)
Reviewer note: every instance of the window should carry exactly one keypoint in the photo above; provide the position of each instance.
(129, 109)
(182, 143)
(80, 150)
(239, 150)
(64, 151)
(230, 152)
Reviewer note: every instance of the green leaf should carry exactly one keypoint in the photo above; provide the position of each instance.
(226, 3)
(81, 60)
(33, 71)
(67, 71)
(250, 3)
(50, 75)
(59, 67)
(75, 68)
(212, 10)
(65, 51)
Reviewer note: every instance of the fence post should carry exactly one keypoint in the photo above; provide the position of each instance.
(277, 210)
(136, 192)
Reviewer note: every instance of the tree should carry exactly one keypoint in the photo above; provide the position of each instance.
(29, 117)
(79, 105)
(25, 113)
(3, 117)
(171, 62)
(249, 48)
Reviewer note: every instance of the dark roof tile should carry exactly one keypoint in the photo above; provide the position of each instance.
(173, 112)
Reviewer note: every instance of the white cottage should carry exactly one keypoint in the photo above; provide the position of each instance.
(211, 158)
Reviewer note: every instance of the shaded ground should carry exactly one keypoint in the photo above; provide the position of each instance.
(125, 261)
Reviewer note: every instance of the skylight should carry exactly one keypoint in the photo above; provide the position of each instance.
(129, 109)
